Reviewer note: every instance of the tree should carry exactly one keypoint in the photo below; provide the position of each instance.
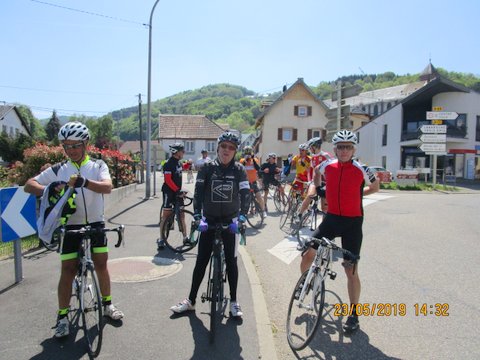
(52, 128)
(11, 149)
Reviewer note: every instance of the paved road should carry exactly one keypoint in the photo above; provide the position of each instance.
(149, 330)
(418, 248)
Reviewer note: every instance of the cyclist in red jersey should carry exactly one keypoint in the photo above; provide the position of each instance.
(318, 156)
(346, 183)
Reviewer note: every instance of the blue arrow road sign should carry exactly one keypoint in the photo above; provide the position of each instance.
(17, 213)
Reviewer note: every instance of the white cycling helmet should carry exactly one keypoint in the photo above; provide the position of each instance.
(73, 131)
(176, 147)
(344, 136)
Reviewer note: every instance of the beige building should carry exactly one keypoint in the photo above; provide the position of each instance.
(295, 117)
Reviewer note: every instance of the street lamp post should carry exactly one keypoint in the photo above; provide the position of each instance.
(149, 108)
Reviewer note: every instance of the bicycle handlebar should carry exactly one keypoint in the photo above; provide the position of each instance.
(89, 230)
(331, 245)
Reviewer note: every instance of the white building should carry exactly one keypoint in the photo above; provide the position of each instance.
(393, 140)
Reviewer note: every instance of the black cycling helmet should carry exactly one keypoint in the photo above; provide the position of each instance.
(176, 147)
(230, 137)
(344, 136)
(315, 142)
(204, 151)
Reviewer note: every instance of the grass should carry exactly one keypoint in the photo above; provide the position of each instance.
(28, 243)
(418, 187)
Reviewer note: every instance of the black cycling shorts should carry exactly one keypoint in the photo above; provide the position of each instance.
(169, 198)
(254, 187)
(348, 228)
(269, 181)
(71, 242)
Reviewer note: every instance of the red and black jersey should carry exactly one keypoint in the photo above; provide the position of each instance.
(172, 171)
(344, 186)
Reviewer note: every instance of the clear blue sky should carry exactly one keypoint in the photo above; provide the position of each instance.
(79, 62)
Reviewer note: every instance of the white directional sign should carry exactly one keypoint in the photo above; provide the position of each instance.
(17, 214)
(442, 115)
(433, 138)
(434, 129)
(431, 147)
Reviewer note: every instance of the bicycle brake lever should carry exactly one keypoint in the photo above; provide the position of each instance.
(121, 233)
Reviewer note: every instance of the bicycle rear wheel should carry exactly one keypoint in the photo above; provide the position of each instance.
(254, 216)
(279, 200)
(92, 312)
(173, 232)
(304, 315)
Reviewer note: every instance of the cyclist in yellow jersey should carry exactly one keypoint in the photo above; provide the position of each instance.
(252, 166)
(301, 162)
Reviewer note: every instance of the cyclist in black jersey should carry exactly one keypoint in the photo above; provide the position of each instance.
(172, 185)
(221, 196)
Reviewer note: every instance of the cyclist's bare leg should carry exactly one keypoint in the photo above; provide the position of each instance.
(307, 259)
(312, 191)
(165, 213)
(100, 261)
(68, 272)
(353, 283)
(259, 198)
(184, 226)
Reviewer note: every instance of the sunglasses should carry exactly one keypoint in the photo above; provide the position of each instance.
(228, 146)
(73, 146)
(344, 147)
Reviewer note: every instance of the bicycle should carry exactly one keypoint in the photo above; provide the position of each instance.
(308, 298)
(311, 216)
(86, 298)
(287, 218)
(255, 215)
(182, 237)
(280, 198)
(217, 278)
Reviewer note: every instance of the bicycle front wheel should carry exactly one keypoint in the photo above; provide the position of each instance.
(92, 314)
(216, 297)
(305, 313)
(178, 234)
(254, 216)
(279, 199)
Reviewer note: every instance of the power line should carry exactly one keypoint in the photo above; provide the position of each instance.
(59, 91)
(90, 13)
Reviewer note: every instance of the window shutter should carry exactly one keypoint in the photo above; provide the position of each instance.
(295, 134)
(309, 133)
(324, 134)
(280, 133)
(309, 111)
(295, 110)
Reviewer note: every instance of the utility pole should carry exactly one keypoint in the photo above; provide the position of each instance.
(339, 105)
(142, 167)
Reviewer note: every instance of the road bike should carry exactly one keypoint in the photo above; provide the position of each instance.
(179, 228)
(310, 218)
(217, 277)
(287, 218)
(86, 298)
(255, 215)
(279, 197)
(308, 298)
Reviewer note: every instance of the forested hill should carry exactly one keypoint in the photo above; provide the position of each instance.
(239, 107)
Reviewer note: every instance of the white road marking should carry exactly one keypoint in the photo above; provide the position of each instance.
(286, 250)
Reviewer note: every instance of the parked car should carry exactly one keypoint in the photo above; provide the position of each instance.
(383, 174)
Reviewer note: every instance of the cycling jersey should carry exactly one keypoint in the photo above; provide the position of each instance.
(344, 186)
(269, 178)
(93, 201)
(251, 167)
(317, 159)
(302, 166)
(221, 191)
(172, 171)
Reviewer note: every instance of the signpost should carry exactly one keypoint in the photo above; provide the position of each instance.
(434, 137)
(441, 115)
(18, 219)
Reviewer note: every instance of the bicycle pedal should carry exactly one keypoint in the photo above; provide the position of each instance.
(332, 274)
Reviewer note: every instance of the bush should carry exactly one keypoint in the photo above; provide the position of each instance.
(41, 156)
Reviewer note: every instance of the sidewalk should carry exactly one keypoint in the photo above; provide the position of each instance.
(144, 285)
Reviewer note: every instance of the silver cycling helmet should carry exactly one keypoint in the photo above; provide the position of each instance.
(230, 137)
(303, 146)
(73, 131)
(272, 156)
(344, 136)
(176, 147)
(316, 142)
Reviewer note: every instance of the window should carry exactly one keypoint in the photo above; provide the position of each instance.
(211, 146)
(4, 128)
(384, 161)
(302, 110)
(384, 135)
(189, 147)
(311, 133)
(287, 134)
